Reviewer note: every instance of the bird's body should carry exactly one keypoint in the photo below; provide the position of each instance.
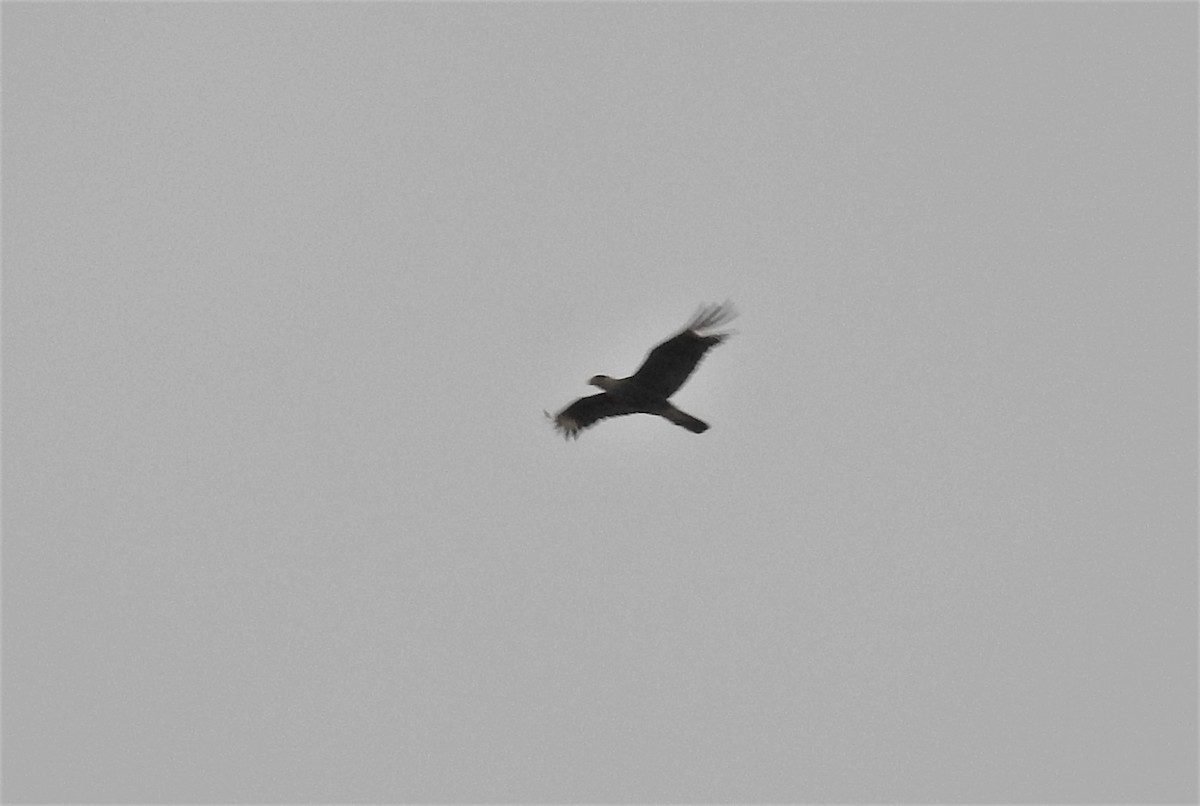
(648, 390)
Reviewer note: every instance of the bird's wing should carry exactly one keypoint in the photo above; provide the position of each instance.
(669, 364)
(587, 411)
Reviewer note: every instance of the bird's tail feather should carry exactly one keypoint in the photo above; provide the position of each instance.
(693, 424)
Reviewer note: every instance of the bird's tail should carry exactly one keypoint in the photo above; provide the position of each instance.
(696, 426)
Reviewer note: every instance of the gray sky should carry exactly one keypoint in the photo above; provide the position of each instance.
(287, 288)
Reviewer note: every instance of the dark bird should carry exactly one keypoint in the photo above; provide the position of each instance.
(662, 373)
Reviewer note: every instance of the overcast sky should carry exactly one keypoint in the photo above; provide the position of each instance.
(287, 289)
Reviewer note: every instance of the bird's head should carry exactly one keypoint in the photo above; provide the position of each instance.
(603, 381)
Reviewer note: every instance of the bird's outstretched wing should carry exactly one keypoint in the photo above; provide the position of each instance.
(669, 364)
(589, 410)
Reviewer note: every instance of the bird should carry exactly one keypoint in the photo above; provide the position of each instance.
(646, 391)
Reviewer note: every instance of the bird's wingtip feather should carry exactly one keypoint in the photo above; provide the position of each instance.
(566, 426)
(712, 315)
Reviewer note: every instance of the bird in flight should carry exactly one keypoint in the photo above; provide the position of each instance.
(662, 373)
